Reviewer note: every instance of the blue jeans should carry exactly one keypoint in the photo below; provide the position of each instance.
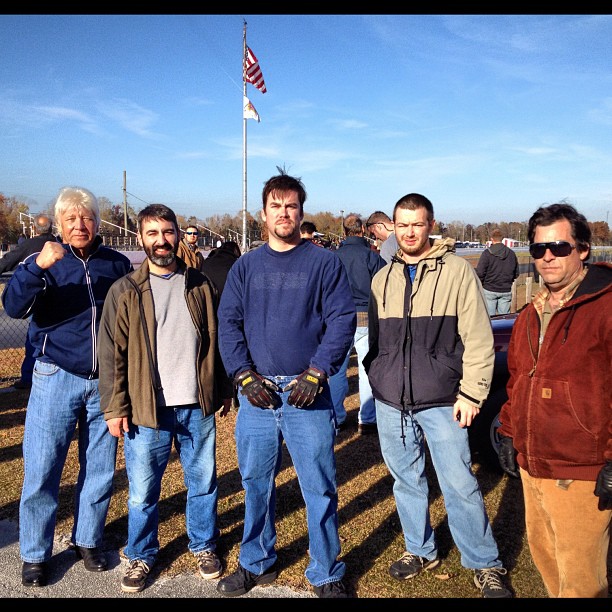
(309, 434)
(338, 383)
(59, 402)
(147, 452)
(498, 302)
(450, 453)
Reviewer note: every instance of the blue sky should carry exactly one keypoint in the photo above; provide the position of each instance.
(489, 116)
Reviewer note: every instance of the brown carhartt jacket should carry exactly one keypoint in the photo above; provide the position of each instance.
(192, 258)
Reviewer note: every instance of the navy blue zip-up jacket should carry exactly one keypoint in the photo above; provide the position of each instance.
(65, 302)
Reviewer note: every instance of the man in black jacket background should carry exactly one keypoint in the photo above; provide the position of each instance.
(42, 226)
(497, 268)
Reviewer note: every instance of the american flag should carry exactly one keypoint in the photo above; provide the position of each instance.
(253, 73)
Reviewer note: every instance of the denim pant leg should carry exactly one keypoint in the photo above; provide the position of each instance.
(339, 387)
(146, 452)
(467, 516)
(50, 423)
(367, 408)
(195, 440)
(309, 434)
(504, 301)
(491, 301)
(259, 450)
(97, 460)
(405, 459)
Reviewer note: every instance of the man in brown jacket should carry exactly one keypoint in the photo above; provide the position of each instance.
(161, 382)
(557, 422)
(188, 249)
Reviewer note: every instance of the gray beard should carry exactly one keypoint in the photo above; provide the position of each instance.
(162, 262)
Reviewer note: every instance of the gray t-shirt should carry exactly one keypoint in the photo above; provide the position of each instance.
(176, 341)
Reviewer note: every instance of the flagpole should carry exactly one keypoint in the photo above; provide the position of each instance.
(244, 144)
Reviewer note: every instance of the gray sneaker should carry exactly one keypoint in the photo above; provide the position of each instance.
(135, 576)
(489, 582)
(409, 566)
(209, 564)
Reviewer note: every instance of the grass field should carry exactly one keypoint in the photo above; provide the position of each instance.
(369, 526)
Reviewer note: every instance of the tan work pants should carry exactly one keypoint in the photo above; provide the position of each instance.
(568, 536)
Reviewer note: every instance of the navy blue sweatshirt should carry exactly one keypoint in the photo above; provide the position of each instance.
(282, 312)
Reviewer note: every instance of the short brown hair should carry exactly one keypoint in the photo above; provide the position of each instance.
(497, 235)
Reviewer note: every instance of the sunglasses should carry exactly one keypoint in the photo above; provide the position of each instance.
(559, 248)
(192, 233)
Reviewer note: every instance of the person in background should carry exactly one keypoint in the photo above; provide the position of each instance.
(63, 289)
(308, 231)
(497, 268)
(381, 227)
(219, 261)
(43, 225)
(430, 365)
(188, 249)
(361, 264)
(556, 427)
(154, 393)
(286, 322)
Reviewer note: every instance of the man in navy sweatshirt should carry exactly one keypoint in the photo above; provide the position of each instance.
(286, 321)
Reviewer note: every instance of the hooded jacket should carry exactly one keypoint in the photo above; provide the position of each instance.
(430, 340)
(65, 302)
(497, 268)
(559, 408)
(128, 368)
(217, 265)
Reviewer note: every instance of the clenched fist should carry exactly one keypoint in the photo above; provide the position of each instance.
(51, 253)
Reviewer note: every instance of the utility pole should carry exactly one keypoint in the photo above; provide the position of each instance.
(125, 223)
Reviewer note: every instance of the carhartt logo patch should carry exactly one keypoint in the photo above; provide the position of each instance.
(546, 393)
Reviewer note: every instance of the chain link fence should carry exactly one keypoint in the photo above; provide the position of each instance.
(12, 340)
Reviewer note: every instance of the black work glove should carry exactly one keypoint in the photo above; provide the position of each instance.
(260, 391)
(507, 457)
(603, 487)
(305, 388)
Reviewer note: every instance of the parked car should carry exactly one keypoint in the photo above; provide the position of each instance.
(484, 440)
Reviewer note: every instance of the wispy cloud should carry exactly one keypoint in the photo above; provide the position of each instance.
(130, 116)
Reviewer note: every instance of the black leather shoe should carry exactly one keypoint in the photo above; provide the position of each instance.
(93, 558)
(34, 574)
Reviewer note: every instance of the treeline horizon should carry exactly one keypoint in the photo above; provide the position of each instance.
(15, 220)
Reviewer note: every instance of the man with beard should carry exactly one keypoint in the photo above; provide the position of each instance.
(155, 394)
(286, 322)
(430, 366)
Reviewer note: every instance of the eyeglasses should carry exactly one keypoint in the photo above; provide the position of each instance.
(559, 248)
(193, 233)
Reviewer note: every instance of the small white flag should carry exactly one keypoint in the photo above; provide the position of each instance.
(249, 110)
